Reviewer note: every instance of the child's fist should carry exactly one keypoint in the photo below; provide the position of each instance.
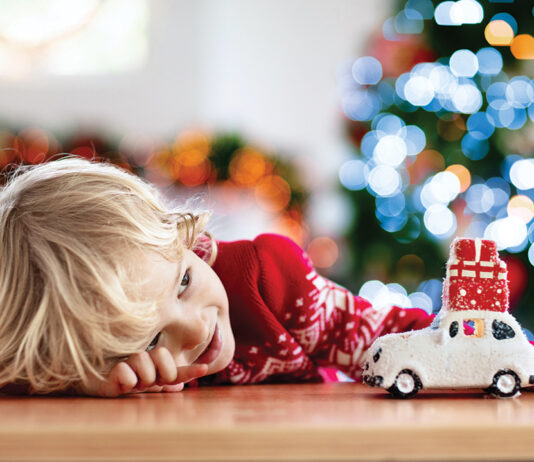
(152, 371)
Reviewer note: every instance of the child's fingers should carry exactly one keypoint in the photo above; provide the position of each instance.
(169, 374)
(165, 367)
(144, 368)
(122, 379)
(188, 373)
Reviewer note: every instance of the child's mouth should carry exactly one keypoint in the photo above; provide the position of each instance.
(213, 350)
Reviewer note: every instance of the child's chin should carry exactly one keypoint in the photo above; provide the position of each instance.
(225, 358)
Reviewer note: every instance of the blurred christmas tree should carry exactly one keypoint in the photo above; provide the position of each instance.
(440, 117)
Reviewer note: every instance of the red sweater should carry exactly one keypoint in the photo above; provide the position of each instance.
(289, 321)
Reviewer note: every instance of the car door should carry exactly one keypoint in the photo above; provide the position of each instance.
(466, 352)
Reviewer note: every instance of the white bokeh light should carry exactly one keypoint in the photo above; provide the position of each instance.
(442, 188)
(440, 221)
(419, 91)
(421, 300)
(522, 174)
(467, 98)
(463, 63)
(384, 180)
(390, 150)
(467, 12)
(506, 232)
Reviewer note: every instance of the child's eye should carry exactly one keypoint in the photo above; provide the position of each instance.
(153, 343)
(184, 283)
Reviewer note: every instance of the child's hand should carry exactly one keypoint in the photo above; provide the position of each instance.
(152, 371)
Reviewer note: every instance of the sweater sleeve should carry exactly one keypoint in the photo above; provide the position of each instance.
(333, 326)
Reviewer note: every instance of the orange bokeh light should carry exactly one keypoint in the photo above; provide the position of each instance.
(521, 206)
(192, 139)
(192, 157)
(247, 167)
(323, 252)
(463, 175)
(273, 193)
(195, 175)
(426, 163)
(499, 33)
(522, 46)
(290, 227)
(452, 129)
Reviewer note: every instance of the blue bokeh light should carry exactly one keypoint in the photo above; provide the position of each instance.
(361, 105)
(473, 148)
(480, 126)
(424, 7)
(353, 174)
(415, 139)
(489, 61)
(367, 70)
(520, 92)
(408, 22)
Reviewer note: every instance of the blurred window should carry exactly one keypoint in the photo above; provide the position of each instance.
(65, 37)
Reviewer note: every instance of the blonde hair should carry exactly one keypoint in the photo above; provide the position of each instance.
(67, 230)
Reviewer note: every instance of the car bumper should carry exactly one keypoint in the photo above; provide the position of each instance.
(373, 380)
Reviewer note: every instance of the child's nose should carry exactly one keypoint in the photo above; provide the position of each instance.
(193, 332)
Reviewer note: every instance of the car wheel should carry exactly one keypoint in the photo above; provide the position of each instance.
(505, 384)
(407, 384)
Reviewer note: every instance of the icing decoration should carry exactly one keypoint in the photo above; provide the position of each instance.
(476, 277)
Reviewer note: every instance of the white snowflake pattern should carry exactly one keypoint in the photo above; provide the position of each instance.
(253, 350)
(279, 366)
(299, 302)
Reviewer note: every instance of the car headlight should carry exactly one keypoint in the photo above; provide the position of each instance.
(376, 356)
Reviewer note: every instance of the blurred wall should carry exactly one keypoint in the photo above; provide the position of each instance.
(266, 68)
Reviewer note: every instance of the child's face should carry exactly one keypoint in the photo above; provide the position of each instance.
(194, 318)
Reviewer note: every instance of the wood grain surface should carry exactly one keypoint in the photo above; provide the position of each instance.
(304, 422)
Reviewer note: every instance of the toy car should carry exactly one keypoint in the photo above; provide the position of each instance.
(472, 342)
(471, 348)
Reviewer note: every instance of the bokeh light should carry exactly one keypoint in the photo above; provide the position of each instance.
(522, 46)
(463, 63)
(367, 70)
(522, 207)
(353, 174)
(463, 175)
(384, 180)
(440, 221)
(323, 252)
(489, 61)
(499, 33)
(522, 174)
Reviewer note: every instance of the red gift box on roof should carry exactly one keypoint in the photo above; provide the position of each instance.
(476, 277)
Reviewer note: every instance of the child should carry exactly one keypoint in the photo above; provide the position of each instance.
(105, 291)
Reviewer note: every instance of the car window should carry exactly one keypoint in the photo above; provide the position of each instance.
(453, 329)
(501, 330)
(474, 327)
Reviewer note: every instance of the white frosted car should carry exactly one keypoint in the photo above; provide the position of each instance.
(461, 349)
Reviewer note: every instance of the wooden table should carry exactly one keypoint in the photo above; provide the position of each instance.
(303, 422)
